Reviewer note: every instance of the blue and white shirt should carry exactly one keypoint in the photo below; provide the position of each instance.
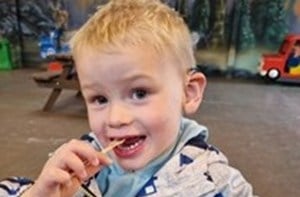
(195, 169)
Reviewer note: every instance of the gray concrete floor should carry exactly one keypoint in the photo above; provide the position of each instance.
(256, 125)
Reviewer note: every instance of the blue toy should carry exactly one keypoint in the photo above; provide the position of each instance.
(50, 44)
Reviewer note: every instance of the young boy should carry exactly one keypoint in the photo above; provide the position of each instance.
(135, 61)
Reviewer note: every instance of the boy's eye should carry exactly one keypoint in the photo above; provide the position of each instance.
(139, 94)
(100, 100)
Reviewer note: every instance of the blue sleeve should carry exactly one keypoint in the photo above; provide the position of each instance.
(14, 186)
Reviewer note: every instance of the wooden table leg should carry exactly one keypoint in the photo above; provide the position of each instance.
(52, 98)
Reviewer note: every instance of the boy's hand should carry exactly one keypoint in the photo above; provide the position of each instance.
(63, 173)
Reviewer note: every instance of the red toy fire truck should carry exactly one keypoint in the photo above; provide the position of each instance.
(285, 65)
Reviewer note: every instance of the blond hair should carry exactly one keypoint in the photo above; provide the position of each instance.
(130, 23)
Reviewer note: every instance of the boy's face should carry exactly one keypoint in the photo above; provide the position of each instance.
(135, 96)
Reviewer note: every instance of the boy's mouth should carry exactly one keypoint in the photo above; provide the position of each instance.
(130, 147)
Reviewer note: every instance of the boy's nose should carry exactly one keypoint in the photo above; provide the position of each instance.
(119, 115)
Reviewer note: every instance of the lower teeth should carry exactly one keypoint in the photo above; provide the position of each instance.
(131, 146)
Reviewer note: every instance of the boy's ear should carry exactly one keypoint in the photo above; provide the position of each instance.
(194, 89)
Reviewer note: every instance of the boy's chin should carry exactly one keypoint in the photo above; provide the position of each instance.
(131, 165)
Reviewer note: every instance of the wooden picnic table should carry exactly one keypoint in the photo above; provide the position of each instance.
(66, 78)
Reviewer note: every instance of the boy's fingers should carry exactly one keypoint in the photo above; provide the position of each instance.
(54, 177)
(85, 151)
(70, 187)
(75, 156)
(89, 154)
(75, 165)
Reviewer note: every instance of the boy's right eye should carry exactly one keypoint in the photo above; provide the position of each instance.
(100, 100)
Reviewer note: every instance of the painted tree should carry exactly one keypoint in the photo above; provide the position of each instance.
(218, 23)
(258, 18)
(269, 21)
(184, 7)
(199, 21)
(245, 37)
(180, 7)
(200, 13)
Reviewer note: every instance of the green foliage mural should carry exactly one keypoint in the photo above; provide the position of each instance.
(218, 27)
(232, 33)
(200, 17)
(245, 36)
(269, 21)
(240, 30)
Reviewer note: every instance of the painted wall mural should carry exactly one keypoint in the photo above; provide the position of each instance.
(229, 34)
(233, 34)
(34, 19)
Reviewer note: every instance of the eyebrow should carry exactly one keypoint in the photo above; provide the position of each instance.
(125, 80)
(89, 85)
(136, 77)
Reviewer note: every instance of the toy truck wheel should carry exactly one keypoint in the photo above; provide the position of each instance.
(273, 74)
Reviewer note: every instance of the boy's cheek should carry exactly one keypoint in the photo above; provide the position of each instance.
(96, 122)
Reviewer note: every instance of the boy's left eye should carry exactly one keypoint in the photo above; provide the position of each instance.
(139, 94)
